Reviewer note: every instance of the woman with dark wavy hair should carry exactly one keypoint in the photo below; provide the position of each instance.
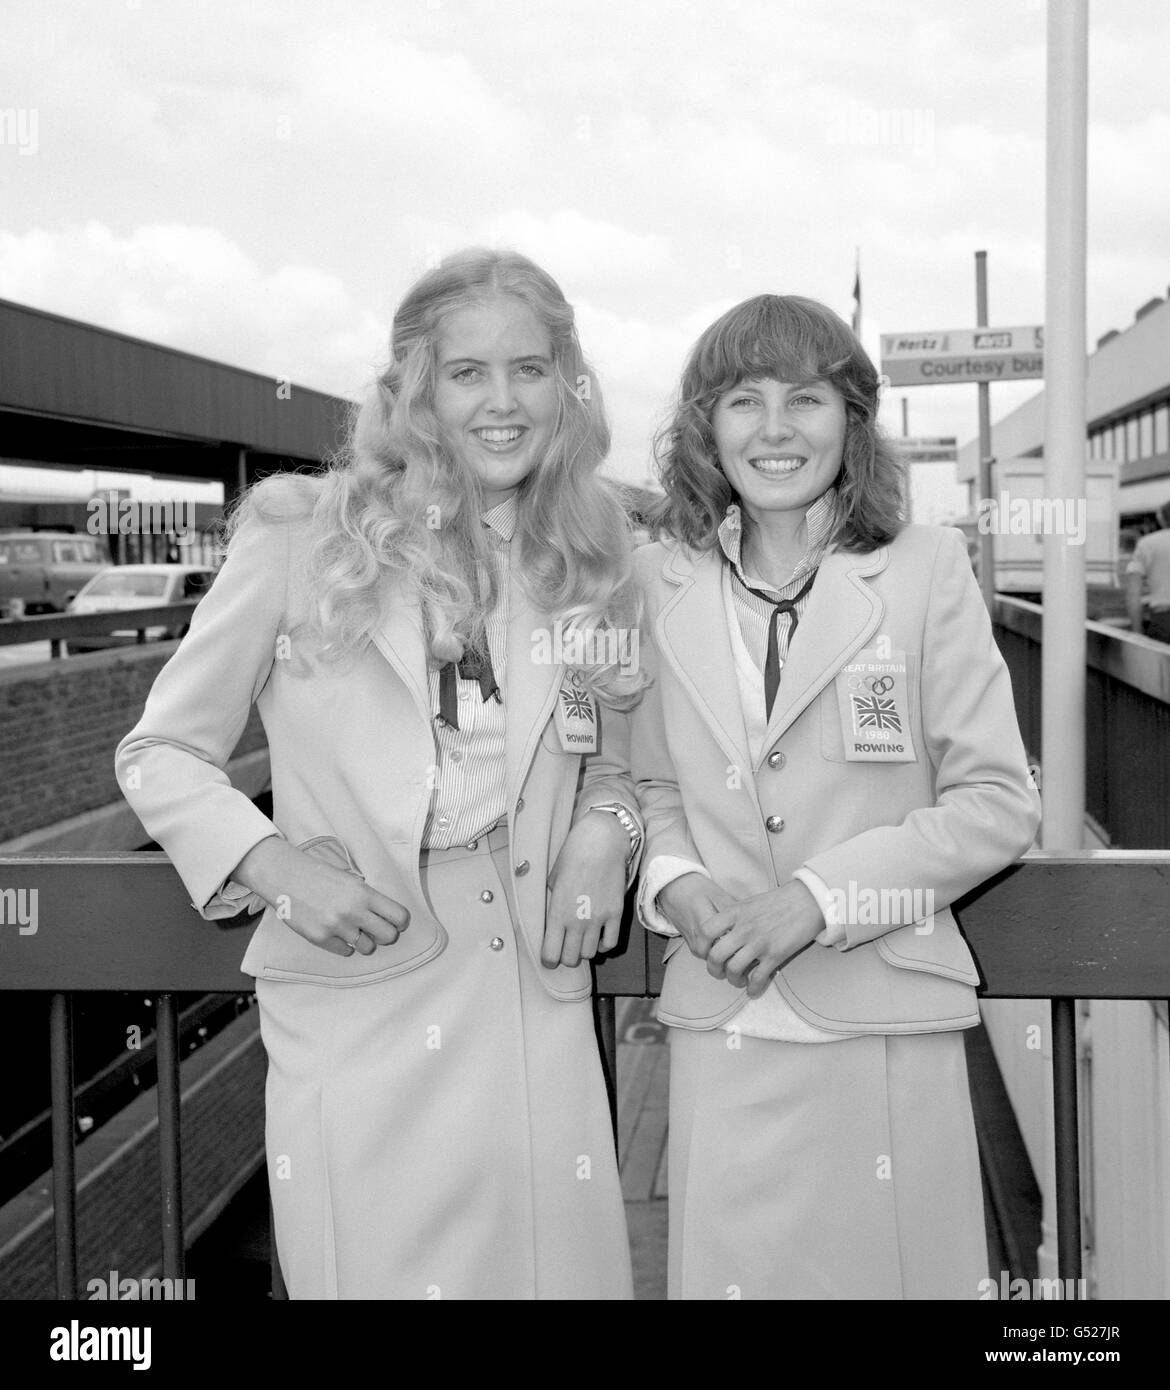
(453, 821)
(827, 758)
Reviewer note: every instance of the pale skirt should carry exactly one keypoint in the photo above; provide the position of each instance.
(845, 1170)
(444, 1134)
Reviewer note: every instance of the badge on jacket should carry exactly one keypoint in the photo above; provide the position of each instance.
(576, 715)
(873, 696)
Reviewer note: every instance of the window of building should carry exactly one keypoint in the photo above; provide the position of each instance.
(1119, 443)
(1146, 434)
(1162, 428)
(1131, 438)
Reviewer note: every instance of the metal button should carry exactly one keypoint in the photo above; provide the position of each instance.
(496, 943)
(775, 825)
(520, 804)
(473, 844)
(522, 868)
(455, 755)
(444, 820)
(776, 758)
(487, 896)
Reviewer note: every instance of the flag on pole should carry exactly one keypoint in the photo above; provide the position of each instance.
(856, 321)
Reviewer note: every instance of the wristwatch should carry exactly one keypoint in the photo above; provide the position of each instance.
(628, 823)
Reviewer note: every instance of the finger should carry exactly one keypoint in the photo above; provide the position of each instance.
(724, 947)
(740, 966)
(761, 978)
(611, 934)
(335, 945)
(391, 915)
(589, 939)
(574, 939)
(553, 942)
(364, 944)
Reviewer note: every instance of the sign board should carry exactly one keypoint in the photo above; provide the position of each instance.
(933, 358)
(921, 449)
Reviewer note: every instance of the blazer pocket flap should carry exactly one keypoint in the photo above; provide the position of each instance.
(938, 951)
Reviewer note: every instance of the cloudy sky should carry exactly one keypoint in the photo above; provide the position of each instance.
(260, 182)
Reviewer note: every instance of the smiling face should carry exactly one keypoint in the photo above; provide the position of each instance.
(780, 445)
(495, 392)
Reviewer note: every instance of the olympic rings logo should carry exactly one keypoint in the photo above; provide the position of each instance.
(876, 685)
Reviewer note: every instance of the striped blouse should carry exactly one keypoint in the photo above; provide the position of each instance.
(469, 777)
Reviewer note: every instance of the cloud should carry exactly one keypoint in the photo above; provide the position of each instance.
(192, 288)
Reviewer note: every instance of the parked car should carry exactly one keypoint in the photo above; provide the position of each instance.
(122, 588)
(40, 571)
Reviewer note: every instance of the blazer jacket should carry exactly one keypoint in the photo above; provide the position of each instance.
(352, 754)
(894, 840)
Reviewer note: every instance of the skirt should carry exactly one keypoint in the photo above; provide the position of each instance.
(845, 1170)
(444, 1134)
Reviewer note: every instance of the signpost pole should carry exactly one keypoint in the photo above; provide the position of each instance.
(986, 540)
(1064, 648)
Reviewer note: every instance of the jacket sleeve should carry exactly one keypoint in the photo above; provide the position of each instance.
(986, 811)
(170, 766)
(606, 775)
(655, 777)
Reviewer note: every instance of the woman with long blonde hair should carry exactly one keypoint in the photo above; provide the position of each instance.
(453, 823)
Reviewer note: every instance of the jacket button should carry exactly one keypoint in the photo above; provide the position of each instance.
(487, 896)
(775, 825)
(522, 868)
(496, 943)
(472, 844)
(520, 804)
(776, 759)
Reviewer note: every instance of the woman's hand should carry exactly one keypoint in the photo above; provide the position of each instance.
(690, 902)
(332, 909)
(588, 891)
(749, 941)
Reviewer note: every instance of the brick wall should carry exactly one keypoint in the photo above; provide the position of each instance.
(60, 722)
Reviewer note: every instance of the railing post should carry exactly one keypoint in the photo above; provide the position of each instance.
(64, 1165)
(1067, 1137)
(170, 1160)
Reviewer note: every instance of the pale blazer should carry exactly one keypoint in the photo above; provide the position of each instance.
(353, 759)
(960, 812)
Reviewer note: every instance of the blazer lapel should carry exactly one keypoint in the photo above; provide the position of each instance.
(399, 637)
(691, 631)
(843, 613)
(530, 687)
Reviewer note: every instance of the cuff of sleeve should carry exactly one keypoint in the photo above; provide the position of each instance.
(834, 931)
(662, 869)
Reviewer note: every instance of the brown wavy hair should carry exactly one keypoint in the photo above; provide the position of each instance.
(782, 337)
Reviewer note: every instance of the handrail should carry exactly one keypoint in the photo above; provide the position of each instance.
(1091, 926)
(55, 627)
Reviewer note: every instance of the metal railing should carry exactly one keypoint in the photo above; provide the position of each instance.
(56, 628)
(1127, 719)
(1056, 928)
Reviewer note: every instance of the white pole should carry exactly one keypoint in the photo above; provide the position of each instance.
(1064, 647)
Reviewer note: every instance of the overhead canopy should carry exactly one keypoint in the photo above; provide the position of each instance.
(78, 395)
